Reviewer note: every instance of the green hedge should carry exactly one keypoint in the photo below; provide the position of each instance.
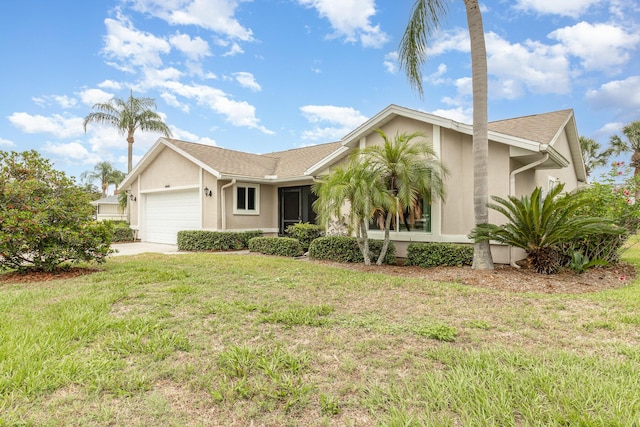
(123, 233)
(439, 254)
(345, 249)
(281, 246)
(202, 240)
(305, 233)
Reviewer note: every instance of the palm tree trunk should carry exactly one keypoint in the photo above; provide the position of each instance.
(130, 151)
(387, 238)
(363, 241)
(482, 259)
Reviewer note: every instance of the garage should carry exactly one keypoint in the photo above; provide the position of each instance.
(167, 213)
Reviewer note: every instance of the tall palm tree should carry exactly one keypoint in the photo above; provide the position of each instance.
(106, 174)
(593, 155)
(357, 186)
(632, 143)
(409, 170)
(128, 116)
(425, 19)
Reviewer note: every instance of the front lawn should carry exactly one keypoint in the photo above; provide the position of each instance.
(221, 339)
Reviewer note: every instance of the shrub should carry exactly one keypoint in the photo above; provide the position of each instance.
(345, 249)
(203, 240)
(122, 232)
(305, 233)
(281, 246)
(439, 254)
(541, 224)
(46, 220)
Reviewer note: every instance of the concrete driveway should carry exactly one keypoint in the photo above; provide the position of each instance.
(135, 248)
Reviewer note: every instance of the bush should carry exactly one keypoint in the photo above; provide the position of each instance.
(345, 249)
(305, 233)
(439, 254)
(46, 220)
(122, 232)
(202, 240)
(281, 246)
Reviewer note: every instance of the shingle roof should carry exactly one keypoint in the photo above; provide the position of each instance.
(283, 164)
(540, 128)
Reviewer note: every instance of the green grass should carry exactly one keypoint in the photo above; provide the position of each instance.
(220, 339)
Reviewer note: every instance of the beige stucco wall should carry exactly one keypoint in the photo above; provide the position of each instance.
(169, 170)
(457, 208)
(134, 207)
(565, 175)
(402, 125)
(210, 205)
(266, 221)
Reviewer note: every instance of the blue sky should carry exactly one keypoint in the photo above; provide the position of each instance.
(270, 75)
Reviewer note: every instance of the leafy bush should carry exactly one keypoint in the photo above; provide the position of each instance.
(122, 232)
(46, 220)
(613, 201)
(439, 254)
(202, 240)
(281, 246)
(305, 233)
(345, 249)
(541, 224)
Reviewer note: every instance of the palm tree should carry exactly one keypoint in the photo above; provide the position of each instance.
(359, 186)
(424, 20)
(128, 116)
(593, 155)
(106, 174)
(409, 170)
(618, 145)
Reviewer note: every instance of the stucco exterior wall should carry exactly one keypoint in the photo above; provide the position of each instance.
(134, 207)
(565, 175)
(457, 208)
(169, 170)
(402, 125)
(210, 205)
(267, 220)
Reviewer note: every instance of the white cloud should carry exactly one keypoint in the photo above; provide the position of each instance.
(436, 77)
(342, 120)
(234, 50)
(622, 95)
(192, 137)
(214, 15)
(351, 19)
(72, 153)
(195, 49)
(599, 46)
(6, 143)
(171, 100)
(110, 84)
(459, 114)
(573, 8)
(247, 80)
(456, 39)
(61, 100)
(238, 113)
(391, 62)
(132, 48)
(94, 96)
(58, 125)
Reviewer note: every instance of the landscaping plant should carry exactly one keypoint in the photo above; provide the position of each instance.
(540, 224)
(46, 220)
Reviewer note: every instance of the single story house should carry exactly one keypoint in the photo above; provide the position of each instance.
(109, 208)
(180, 185)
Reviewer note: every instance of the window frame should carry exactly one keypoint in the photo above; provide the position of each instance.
(256, 201)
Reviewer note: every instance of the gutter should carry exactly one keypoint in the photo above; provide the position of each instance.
(512, 186)
(222, 203)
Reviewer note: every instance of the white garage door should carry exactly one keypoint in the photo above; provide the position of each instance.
(167, 213)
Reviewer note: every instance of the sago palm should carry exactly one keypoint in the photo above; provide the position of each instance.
(356, 187)
(128, 116)
(540, 224)
(409, 169)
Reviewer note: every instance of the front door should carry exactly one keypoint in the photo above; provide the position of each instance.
(295, 205)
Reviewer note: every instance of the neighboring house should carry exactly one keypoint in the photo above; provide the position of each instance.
(180, 185)
(109, 208)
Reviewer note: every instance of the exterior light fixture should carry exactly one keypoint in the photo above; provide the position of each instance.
(132, 197)
(207, 192)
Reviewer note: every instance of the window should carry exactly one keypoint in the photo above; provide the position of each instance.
(416, 220)
(246, 199)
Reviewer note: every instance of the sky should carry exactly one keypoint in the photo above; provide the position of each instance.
(271, 75)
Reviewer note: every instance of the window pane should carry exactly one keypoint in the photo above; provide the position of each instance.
(251, 198)
(241, 198)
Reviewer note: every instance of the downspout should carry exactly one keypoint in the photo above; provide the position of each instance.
(222, 203)
(512, 187)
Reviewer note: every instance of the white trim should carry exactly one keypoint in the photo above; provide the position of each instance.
(436, 204)
(246, 211)
(178, 188)
(416, 236)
